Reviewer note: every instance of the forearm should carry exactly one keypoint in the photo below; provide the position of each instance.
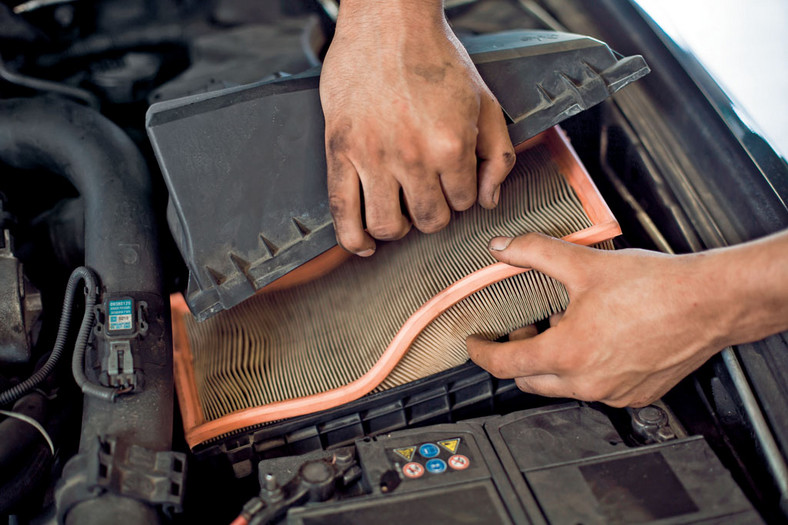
(416, 9)
(394, 24)
(751, 287)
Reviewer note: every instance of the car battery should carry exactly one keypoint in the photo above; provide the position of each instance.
(564, 463)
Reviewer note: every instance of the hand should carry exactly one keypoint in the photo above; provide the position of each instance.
(637, 322)
(407, 115)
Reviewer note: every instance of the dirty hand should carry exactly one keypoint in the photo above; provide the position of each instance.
(410, 119)
(637, 322)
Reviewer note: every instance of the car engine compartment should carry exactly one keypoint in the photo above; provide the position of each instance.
(82, 187)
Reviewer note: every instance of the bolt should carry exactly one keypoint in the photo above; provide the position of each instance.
(651, 415)
(343, 457)
(270, 482)
(272, 492)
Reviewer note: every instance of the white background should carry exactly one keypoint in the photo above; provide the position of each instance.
(744, 45)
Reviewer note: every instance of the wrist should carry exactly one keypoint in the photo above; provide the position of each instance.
(704, 300)
(748, 287)
(394, 14)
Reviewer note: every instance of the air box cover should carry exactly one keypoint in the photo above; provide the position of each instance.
(245, 167)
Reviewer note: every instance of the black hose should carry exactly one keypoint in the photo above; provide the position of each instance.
(80, 274)
(39, 84)
(109, 172)
(137, 38)
(78, 363)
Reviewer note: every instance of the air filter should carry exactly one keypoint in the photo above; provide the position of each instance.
(403, 314)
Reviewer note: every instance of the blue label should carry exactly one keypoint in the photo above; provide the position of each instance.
(436, 466)
(428, 450)
(120, 313)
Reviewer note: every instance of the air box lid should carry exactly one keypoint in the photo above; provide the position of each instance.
(245, 167)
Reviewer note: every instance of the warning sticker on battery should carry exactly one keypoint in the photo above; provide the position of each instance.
(120, 314)
(405, 452)
(450, 444)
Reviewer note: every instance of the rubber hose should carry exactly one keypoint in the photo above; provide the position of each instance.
(40, 84)
(109, 172)
(78, 362)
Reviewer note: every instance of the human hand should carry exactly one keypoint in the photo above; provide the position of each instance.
(407, 115)
(637, 323)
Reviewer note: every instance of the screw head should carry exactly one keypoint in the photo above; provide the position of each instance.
(651, 415)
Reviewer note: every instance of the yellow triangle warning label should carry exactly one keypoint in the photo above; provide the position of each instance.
(450, 444)
(405, 452)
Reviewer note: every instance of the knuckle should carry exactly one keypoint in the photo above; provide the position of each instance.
(534, 243)
(588, 391)
(509, 159)
(462, 200)
(337, 205)
(531, 240)
(464, 204)
(411, 156)
(337, 141)
(452, 146)
(432, 221)
(387, 231)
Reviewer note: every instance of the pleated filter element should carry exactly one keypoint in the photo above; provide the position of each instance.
(401, 315)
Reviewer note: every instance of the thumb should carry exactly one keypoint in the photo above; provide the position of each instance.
(559, 259)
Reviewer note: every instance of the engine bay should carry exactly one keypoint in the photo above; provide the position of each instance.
(91, 183)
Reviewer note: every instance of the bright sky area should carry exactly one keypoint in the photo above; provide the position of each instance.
(744, 45)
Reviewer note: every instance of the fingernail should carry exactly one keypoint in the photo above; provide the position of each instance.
(366, 253)
(500, 243)
(496, 195)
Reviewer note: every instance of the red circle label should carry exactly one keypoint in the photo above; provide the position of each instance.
(413, 470)
(459, 462)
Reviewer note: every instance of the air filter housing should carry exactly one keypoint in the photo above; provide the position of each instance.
(403, 314)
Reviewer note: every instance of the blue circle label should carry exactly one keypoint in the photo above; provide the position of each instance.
(436, 466)
(428, 450)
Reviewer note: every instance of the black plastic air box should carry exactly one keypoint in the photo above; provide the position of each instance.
(245, 167)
